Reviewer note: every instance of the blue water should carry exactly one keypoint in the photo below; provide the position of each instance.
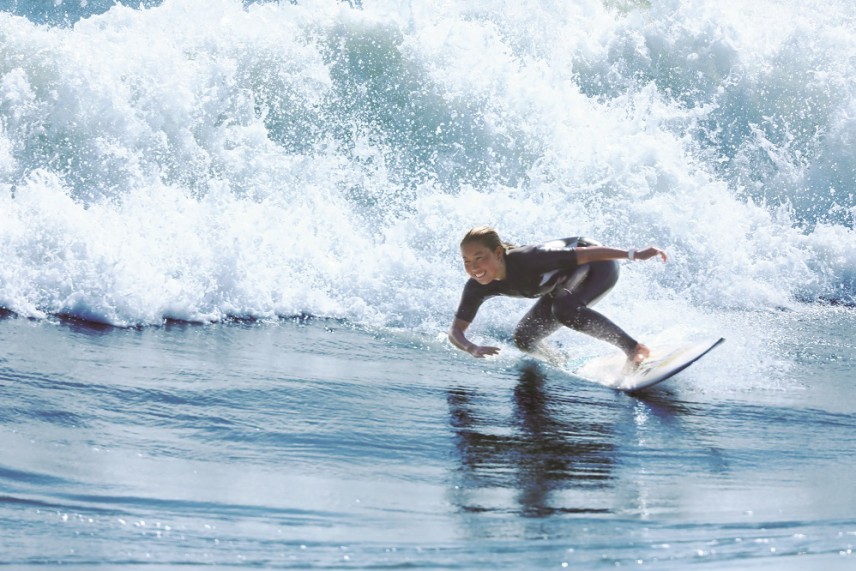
(314, 444)
(228, 233)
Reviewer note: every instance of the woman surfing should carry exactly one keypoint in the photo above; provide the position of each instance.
(567, 276)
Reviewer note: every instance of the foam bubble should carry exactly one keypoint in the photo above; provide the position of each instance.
(199, 160)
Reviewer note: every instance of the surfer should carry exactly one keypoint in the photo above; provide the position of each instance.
(567, 275)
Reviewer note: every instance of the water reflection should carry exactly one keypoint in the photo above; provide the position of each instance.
(664, 403)
(540, 448)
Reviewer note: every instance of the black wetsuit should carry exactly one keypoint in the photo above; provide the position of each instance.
(566, 289)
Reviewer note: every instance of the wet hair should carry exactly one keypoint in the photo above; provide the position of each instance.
(487, 237)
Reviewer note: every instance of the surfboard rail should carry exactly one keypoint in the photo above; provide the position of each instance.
(664, 363)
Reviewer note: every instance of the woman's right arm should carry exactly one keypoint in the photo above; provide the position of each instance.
(459, 340)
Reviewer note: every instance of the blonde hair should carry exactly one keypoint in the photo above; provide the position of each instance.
(487, 237)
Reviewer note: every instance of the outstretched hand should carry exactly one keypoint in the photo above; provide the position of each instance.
(482, 351)
(650, 252)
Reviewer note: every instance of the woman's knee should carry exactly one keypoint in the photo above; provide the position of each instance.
(525, 340)
(568, 313)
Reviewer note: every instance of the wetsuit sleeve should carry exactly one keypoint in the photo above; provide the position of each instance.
(471, 300)
(538, 260)
(563, 259)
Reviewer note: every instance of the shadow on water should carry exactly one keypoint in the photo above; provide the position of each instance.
(84, 324)
(73, 323)
(546, 445)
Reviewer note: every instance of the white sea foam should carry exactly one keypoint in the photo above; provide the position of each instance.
(199, 160)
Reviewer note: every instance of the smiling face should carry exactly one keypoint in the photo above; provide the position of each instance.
(483, 264)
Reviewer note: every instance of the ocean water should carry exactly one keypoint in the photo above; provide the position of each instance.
(228, 233)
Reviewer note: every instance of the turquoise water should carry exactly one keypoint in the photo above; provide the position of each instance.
(228, 234)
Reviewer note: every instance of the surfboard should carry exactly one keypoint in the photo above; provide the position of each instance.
(663, 363)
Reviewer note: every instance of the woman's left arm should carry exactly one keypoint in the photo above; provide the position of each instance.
(588, 254)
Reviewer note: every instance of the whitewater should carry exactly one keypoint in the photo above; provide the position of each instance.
(182, 178)
(200, 161)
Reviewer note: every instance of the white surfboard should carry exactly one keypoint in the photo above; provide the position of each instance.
(664, 362)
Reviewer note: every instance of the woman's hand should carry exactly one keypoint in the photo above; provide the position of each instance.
(459, 340)
(649, 253)
(482, 351)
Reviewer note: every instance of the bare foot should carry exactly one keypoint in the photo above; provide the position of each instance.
(550, 354)
(640, 353)
(635, 358)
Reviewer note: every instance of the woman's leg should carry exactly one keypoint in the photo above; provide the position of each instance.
(537, 324)
(572, 298)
